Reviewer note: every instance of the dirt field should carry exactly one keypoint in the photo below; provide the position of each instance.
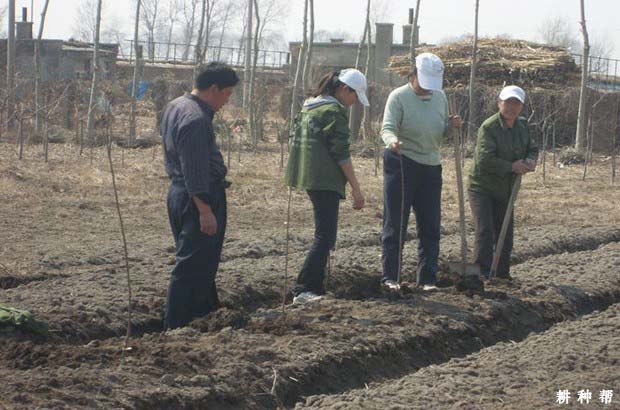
(61, 258)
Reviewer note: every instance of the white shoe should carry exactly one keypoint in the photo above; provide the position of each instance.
(391, 285)
(306, 297)
(429, 288)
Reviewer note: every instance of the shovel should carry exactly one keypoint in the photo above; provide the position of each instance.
(461, 268)
(502, 234)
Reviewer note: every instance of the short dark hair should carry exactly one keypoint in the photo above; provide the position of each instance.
(220, 74)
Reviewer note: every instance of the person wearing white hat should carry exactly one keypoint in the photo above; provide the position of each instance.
(504, 149)
(415, 120)
(320, 163)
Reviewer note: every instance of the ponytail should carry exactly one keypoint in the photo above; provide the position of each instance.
(328, 84)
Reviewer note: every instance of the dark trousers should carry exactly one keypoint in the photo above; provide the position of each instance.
(312, 274)
(192, 292)
(423, 194)
(488, 215)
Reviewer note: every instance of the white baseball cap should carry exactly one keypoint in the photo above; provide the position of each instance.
(430, 71)
(357, 81)
(512, 91)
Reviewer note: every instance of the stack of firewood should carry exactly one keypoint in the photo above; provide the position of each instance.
(501, 61)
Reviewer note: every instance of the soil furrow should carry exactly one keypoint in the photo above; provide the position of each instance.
(329, 347)
(508, 375)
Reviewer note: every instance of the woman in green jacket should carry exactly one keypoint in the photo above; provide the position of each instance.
(320, 163)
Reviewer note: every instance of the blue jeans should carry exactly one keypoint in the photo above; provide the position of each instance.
(326, 205)
(192, 292)
(423, 195)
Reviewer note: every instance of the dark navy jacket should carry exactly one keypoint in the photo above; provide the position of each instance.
(191, 155)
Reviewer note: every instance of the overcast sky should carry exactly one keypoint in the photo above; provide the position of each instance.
(439, 19)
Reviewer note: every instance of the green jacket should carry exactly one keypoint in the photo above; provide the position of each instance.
(318, 145)
(11, 319)
(496, 149)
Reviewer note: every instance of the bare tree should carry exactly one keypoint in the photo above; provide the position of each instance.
(136, 68)
(355, 110)
(581, 115)
(172, 14)
(305, 79)
(413, 42)
(248, 55)
(209, 23)
(189, 22)
(229, 6)
(473, 107)
(3, 12)
(302, 49)
(363, 41)
(93, 89)
(10, 64)
(37, 71)
(252, 123)
(197, 49)
(150, 14)
(556, 31)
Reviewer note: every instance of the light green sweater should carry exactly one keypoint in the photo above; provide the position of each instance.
(418, 123)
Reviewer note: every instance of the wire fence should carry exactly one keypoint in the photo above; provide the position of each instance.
(602, 72)
(177, 53)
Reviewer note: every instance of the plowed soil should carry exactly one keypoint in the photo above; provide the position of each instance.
(61, 258)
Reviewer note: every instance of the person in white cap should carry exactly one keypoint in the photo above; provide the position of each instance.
(320, 163)
(415, 120)
(504, 149)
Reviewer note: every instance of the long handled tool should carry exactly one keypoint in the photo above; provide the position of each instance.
(459, 184)
(502, 234)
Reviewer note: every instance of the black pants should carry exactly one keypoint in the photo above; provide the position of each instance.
(192, 292)
(423, 194)
(312, 274)
(488, 215)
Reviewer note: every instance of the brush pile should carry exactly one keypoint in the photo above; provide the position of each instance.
(501, 61)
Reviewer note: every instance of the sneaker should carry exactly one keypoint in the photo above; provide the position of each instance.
(391, 285)
(306, 297)
(429, 288)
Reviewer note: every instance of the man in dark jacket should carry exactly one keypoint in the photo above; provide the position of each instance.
(504, 150)
(197, 196)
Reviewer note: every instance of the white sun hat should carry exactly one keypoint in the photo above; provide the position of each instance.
(430, 71)
(512, 91)
(357, 81)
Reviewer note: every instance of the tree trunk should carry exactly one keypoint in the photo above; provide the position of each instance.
(414, 35)
(252, 122)
(248, 56)
(367, 116)
(581, 116)
(37, 71)
(221, 40)
(10, 65)
(197, 50)
(473, 108)
(170, 30)
(134, 84)
(353, 111)
(207, 31)
(305, 79)
(361, 44)
(94, 84)
(300, 59)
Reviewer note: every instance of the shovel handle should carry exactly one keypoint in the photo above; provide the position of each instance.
(502, 234)
(459, 185)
